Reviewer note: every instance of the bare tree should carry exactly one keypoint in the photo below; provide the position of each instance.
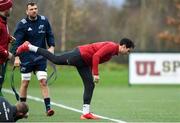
(174, 23)
(63, 29)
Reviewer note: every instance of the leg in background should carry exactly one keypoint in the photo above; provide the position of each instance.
(42, 77)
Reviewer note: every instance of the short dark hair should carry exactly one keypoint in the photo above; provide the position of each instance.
(31, 4)
(129, 43)
(22, 107)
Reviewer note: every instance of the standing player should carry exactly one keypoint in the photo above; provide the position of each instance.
(36, 29)
(5, 38)
(86, 59)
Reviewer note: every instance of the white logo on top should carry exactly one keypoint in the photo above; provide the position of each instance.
(29, 29)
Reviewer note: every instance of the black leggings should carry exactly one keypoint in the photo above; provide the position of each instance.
(74, 58)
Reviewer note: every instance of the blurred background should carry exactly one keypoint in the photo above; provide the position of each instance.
(154, 25)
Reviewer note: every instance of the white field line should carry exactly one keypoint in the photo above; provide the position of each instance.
(65, 107)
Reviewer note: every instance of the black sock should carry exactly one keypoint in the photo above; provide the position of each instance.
(22, 99)
(47, 103)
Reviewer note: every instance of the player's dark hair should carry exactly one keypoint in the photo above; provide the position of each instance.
(22, 107)
(127, 42)
(31, 4)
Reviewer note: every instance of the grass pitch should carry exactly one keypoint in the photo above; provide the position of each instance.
(113, 98)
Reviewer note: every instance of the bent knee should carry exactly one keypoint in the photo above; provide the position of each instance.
(43, 82)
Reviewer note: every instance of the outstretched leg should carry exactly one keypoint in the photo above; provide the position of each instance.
(62, 59)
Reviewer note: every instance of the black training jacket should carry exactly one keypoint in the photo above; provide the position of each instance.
(7, 111)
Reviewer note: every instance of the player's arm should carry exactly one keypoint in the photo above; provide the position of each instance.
(51, 49)
(3, 52)
(105, 50)
(19, 36)
(50, 37)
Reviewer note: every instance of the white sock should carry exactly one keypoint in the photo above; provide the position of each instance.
(86, 108)
(32, 48)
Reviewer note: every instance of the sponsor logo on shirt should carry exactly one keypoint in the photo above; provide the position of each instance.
(5, 111)
(23, 69)
(41, 29)
(29, 29)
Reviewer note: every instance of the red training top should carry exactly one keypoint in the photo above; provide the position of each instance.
(4, 40)
(97, 53)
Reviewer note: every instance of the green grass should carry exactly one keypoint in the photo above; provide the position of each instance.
(113, 97)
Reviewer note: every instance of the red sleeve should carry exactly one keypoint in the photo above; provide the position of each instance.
(3, 53)
(106, 49)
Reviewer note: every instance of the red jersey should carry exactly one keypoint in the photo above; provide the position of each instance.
(4, 40)
(97, 53)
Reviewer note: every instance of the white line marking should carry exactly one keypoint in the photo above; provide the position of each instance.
(65, 107)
